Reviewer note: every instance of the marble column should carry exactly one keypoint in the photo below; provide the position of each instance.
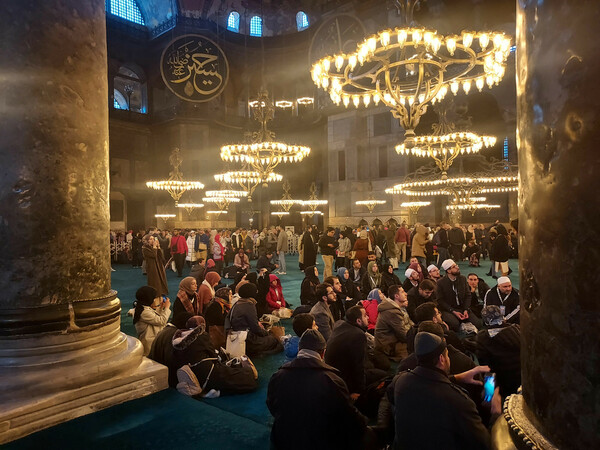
(61, 350)
(558, 70)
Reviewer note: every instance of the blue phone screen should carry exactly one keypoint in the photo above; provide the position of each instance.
(489, 385)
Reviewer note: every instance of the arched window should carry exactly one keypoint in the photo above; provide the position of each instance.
(125, 9)
(301, 21)
(256, 26)
(130, 91)
(233, 21)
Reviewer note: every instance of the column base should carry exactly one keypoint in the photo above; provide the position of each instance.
(517, 430)
(26, 416)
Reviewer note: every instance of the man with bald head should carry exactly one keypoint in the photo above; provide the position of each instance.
(506, 297)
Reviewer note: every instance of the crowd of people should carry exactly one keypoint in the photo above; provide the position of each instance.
(391, 333)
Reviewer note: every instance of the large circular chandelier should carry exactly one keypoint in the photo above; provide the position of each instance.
(176, 186)
(459, 187)
(248, 180)
(262, 153)
(408, 68)
(414, 207)
(472, 207)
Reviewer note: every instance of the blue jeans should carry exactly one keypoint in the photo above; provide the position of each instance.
(281, 257)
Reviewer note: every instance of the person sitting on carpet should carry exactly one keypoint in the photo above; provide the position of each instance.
(200, 366)
(392, 324)
(429, 311)
(274, 297)
(215, 313)
(187, 297)
(150, 315)
(350, 291)
(206, 291)
(388, 278)
(499, 346)
(323, 419)
(162, 346)
(416, 296)
(371, 304)
(300, 324)
(243, 316)
(265, 262)
(308, 286)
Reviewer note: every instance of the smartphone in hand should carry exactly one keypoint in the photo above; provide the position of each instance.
(489, 386)
(164, 297)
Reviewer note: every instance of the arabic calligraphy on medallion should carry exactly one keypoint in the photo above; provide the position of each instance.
(194, 68)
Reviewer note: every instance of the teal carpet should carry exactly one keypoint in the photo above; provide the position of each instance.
(168, 419)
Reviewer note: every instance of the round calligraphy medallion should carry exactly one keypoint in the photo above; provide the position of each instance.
(194, 68)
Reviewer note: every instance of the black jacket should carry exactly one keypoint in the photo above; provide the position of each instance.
(500, 248)
(347, 352)
(312, 421)
(162, 352)
(308, 286)
(264, 262)
(325, 248)
(415, 300)
(450, 300)
(459, 362)
(387, 280)
(432, 412)
(456, 236)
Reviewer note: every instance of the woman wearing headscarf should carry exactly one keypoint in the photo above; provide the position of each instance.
(361, 247)
(155, 265)
(349, 290)
(309, 249)
(372, 278)
(218, 254)
(274, 297)
(187, 298)
(388, 278)
(150, 316)
(206, 291)
(308, 295)
(243, 316)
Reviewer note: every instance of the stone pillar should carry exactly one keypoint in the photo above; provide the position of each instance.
(558, 136)
(61, 350)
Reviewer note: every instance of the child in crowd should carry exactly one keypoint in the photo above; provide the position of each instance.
(300, 324)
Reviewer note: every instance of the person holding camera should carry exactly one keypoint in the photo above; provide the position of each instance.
(150, 316)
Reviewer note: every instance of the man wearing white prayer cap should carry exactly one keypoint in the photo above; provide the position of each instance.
(434, 272)
(506, 297)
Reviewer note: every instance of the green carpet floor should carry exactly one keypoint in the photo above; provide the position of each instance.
(169, 420)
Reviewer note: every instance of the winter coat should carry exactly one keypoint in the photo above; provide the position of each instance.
(500, 249)
(243, 316)
(448, 300)
(323, 318)
(347, 352)
(417, 396)
(274, 297)
(312, 421)
(192, 346)
(191, 253)
(419, 241)
(361, 247)
(308, 286)
(162, 352)
(155, 268)
(392, 324)
(309, 250)
(344, 247)
(324, 245)
(371, 309)
(150, 323)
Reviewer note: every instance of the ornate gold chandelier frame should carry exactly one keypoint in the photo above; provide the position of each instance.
(176, 186)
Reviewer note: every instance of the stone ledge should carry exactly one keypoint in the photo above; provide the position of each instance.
(26, 417)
